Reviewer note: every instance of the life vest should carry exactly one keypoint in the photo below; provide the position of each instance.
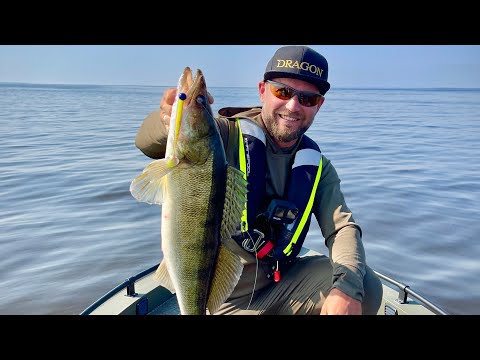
(301, 185)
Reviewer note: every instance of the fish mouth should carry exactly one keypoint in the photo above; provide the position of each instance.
(196, 87)
(193, 87)
(196, 93)
(193, 118)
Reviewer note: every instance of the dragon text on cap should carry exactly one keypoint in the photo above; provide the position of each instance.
(305, 66)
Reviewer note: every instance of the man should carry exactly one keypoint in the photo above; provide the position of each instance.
(289, 180)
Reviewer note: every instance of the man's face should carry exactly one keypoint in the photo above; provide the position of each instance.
(287, 120)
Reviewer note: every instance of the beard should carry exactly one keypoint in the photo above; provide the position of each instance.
(281, 133)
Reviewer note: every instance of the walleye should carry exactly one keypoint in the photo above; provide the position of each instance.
(202, 200)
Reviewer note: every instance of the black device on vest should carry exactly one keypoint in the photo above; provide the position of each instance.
(270, 228)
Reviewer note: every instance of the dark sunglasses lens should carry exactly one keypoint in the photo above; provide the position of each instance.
(281, 92)
(308, 100)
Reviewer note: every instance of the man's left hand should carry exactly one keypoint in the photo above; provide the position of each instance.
(339, 303)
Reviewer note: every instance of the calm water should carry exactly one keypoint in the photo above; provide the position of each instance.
(71, 231)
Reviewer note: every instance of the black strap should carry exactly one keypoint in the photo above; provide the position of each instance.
(231, 150)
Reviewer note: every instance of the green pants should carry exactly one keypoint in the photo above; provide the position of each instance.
(301, 291)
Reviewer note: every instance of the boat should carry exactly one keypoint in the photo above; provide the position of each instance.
(142, 295)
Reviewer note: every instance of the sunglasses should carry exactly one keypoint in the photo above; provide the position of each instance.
(285, 92)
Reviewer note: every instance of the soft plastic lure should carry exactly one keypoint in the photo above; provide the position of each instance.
(181, 98)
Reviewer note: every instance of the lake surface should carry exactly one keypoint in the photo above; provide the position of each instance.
(71, 230)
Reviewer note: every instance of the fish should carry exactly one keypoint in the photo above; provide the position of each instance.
(202, 199)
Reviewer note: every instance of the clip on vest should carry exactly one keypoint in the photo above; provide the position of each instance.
(261, 246)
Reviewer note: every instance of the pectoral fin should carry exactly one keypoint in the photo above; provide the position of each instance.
(149, 186)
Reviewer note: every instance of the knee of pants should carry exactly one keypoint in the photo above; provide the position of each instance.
(373, 293)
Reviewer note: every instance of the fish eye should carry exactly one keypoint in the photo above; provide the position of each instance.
(201, 100)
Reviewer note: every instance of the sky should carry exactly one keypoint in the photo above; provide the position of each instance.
(350, 66)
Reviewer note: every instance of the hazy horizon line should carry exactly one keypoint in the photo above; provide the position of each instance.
(243, 87)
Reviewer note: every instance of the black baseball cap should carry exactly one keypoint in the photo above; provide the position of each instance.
(299, 62)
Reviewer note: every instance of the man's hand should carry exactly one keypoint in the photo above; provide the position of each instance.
(339, 303)
(166, 104)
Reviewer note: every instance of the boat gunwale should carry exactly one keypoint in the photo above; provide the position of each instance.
(125, 284)
(404, 291)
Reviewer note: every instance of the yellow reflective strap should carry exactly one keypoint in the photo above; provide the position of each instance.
(288, 250)
(243, 168)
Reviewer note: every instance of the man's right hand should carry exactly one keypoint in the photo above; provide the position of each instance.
(166, 104)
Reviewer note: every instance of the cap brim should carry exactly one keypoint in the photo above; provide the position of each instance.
(322, 85)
